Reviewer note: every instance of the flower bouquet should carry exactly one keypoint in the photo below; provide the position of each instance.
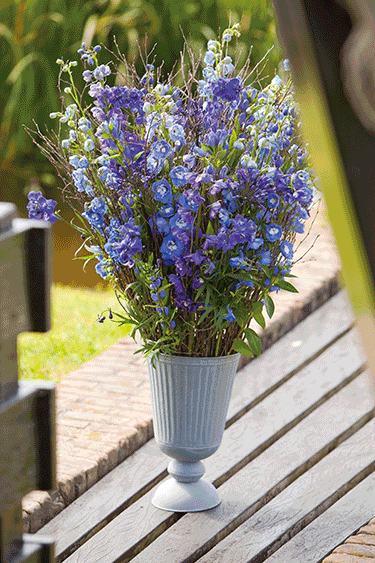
(189, 198)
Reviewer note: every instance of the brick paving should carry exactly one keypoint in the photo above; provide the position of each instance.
(104, 413)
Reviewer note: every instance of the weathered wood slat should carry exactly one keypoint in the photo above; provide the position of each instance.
(137, 474)
(297, 348)
(271, 471)
(300, 503)
(330, 529)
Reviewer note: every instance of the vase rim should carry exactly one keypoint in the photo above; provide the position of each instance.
(196, 359)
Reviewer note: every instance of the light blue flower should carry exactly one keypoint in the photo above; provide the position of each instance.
(89, 145)
(162, 191)
(286, 249)
(178, 176)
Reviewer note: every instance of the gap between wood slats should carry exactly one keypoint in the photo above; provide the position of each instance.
(266, 444)
(291, 511)
(313, 514)
(317, 540)
(288, 376)
(281, 486)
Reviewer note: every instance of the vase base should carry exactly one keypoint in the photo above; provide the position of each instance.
(186, 497)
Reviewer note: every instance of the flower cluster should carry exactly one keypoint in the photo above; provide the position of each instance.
(192, 196)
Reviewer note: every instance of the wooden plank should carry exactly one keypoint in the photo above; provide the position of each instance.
(300, 346)
(138, 473)
(330, 529)
(271, 471)
(300, 503)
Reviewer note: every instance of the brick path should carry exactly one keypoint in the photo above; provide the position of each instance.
(104, 408)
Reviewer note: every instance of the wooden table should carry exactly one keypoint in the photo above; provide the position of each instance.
(295, 471)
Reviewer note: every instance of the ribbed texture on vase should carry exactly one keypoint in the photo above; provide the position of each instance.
(190, 398)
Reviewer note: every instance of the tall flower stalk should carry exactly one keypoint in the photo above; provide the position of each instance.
(189, 198)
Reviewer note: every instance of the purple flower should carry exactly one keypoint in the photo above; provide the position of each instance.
(196, 258)
(176, 281)
(273, 201)
(94, 212)
(182, 220)
(154, 165)
(227, 89)
(87, 75)
(265, 258)
(41, 208)
(198, 281)
(190, 200)
(238, 262)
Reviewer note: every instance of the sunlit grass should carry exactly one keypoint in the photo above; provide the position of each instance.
(75, 336)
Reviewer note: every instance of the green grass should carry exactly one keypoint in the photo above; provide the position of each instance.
(75, 336)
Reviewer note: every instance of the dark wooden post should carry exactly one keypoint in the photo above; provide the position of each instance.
(27, 409)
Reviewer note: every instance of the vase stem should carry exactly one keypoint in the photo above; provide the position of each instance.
(186, 472)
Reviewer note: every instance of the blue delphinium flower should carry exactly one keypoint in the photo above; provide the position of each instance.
(178, 176)
(162, 191)
(273, 232)
(94, 213)
(230, 315)
(171, 249)
(286, 249)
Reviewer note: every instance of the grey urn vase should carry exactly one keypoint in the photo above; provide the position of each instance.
(190, 398)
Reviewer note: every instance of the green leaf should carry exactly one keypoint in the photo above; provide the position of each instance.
(241, 315)
(267, 271)
(287, 286)
(241, 347)
(270, 306)
(257, 309)
(237, 126)
(210, 229)
(124, 320)
(233, 137)
(253, 340)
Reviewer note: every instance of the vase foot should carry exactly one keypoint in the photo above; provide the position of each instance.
(186, 497)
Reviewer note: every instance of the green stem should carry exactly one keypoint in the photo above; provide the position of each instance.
(191, 335)
(217, 345)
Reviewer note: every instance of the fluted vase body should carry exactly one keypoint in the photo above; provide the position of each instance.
(190, 398)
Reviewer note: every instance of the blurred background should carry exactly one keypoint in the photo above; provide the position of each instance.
(34, 33)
